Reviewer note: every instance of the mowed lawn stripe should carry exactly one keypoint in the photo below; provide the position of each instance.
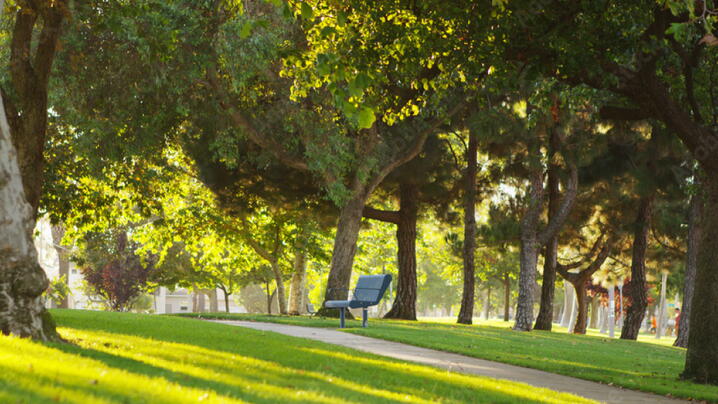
(635, 365)
(131, 358)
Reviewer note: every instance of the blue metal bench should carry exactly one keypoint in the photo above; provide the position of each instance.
(368, 292)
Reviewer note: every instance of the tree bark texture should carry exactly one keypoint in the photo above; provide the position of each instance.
(532, 239)
(22, 280)
(280, 290)
(404, 306)
(30, 68)
(639, 288)
(582, 304)
(345, 244)
(58, 232)
(702, 354)
(299, 278)
(466, 312)
(544, 320)
(694, 238)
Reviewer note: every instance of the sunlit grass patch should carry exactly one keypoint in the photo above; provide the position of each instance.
(652, 365)
(129, 358)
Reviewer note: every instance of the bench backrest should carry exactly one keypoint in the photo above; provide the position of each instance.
(371, 288)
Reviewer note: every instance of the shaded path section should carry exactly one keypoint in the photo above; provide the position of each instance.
(460, 363)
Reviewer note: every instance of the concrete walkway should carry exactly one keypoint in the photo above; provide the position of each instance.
(461, 363)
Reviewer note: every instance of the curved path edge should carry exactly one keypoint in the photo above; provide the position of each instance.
(460, 363)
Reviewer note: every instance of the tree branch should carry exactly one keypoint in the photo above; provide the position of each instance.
(414, 147)
(389, 216)
(623, 114)
(264, 142)
(564, 208)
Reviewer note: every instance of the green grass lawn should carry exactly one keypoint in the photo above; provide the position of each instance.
(651, 367)
(131, 358)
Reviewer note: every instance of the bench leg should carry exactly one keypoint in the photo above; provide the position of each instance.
(341, 317)
(364, 318)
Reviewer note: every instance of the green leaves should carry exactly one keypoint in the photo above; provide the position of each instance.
(365, 118)
(306, 12)
(246, 30)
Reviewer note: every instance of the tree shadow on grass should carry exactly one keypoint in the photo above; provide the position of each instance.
(228, 360)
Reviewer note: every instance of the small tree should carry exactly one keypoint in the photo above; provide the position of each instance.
(113, 271)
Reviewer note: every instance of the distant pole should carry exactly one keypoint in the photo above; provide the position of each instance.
(612, 311)
(662, 307)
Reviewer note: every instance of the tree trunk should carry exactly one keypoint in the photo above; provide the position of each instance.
(527, 281)
(544, 320)
(639, 288)
(269, 297)
(487, 303)
(507, 296)
(582, 303)
(529, 251)
(22, 280)
(32, 52)
(226, 300)
(404, 306)
(58, 232)
(694, 236)
(702, 354)
(298, 282)
(467, 300)
(595, 301)
(213, 300)
(280, 290)
(568, 298)
(345, 244)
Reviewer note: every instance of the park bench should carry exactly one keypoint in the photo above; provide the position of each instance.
(368, 292)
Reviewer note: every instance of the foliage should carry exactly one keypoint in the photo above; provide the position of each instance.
(58, 290)
(113, 270)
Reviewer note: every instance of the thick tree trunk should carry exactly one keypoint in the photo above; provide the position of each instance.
(280, 290)
(544, 320)
(298, 282)
(639, 288)
(32, 52)
(527, 281)
(702, 354)
(58, 232)
(467, 300)
(404, 306)
(507, 296)
(582, 303)
(22, 280)
(345, 244)
(694, 237)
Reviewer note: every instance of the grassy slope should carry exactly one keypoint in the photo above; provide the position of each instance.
(636, 365)
(129, 358)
